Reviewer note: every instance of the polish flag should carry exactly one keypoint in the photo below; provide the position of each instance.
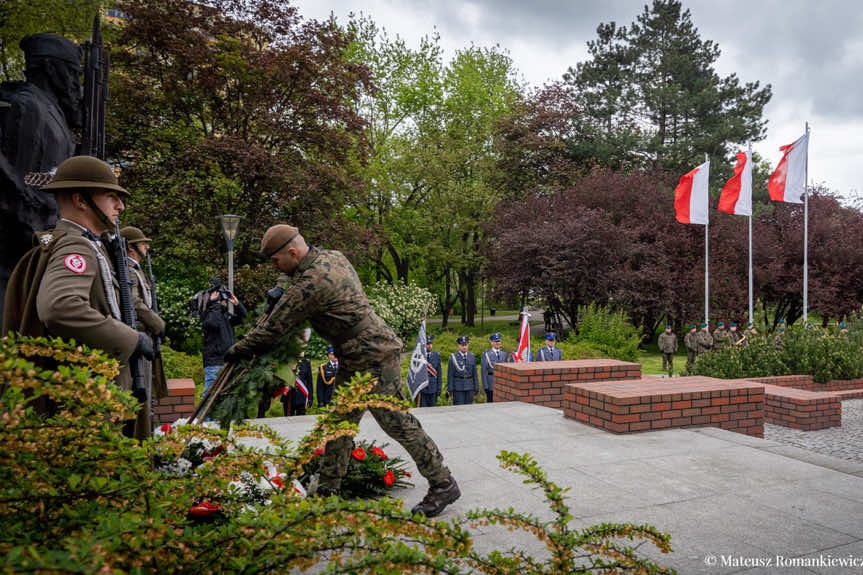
(690, 196)
(788, 181)
(523, 351)
(736, 197)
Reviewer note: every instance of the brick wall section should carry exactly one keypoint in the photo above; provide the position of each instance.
(805, 382)
(180, 401)
(543, 382)
(649, 404)
(801, 409)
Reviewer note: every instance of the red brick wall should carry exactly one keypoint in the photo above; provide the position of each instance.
(805, 382)
(801, 409)
(180, 401)
(648, 404)
(543, 382)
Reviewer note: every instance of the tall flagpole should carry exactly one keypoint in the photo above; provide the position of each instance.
(751, 315)
(806, 231)
(707, 259)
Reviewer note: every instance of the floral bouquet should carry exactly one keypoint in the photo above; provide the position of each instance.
(371, 473)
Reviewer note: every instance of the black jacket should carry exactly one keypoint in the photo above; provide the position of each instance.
(218, 326)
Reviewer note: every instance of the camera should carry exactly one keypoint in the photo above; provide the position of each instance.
(216, 284)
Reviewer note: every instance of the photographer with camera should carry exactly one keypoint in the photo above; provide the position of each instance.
(218, 323)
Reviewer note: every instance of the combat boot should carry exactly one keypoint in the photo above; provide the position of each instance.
(438, 497)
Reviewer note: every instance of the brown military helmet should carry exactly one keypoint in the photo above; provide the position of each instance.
(83, 172)
(277, 237)
(134, 235)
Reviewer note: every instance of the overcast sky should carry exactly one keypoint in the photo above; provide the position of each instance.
(810, 51)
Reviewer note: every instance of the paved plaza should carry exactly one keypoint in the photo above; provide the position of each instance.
(729, 501)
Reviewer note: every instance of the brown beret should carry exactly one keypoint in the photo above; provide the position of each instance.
(134, 235)
(276, 238)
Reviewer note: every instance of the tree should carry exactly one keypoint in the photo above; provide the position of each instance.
(651, 96)
(235, 107)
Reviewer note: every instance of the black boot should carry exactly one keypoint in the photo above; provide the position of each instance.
(438, 497)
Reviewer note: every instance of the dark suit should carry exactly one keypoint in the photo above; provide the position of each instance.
(430, 393)
(461, 380)
(295, 402)
(326, 379)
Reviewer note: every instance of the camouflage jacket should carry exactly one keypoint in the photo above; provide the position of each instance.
(720, 338)
(689, 340)
(326, 291)
(703, 341)
(667, 342)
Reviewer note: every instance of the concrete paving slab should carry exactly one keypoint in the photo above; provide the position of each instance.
(718, 493)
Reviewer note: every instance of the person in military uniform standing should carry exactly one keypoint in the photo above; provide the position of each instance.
(550, 351)
(720, 336)
(489, 358)
(78, 296)
(703, 340)
(327, 372)
(138, 246)
(750, 333)
(780, 336)
(668, 347)
(734, 336)
(326, 291)
(691, 347)
(461, 380)
(431, 392)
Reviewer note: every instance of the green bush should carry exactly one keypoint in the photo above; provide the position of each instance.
(182, 327)
(608, 331)
(182, 365)
(79, 497)
(402, 306)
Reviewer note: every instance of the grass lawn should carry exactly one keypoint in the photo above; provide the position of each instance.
(651, 360)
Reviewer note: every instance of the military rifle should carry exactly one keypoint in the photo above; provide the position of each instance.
(157, 341)
(96, 65)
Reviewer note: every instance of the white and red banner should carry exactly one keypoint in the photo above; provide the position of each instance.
(788, 181)
(523, 351)
(690, 196)
(302, 387)
(736, 197)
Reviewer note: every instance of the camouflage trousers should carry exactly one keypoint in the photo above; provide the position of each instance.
(399, 425)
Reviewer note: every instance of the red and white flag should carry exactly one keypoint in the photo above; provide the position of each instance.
(788, 182)
(736, 197)
(302, 387)
(690, 196)
(523, 351)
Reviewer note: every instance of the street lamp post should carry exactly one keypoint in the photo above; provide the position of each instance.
(230, 223)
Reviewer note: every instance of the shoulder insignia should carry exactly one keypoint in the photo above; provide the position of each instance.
(75, 263)
(46, 238)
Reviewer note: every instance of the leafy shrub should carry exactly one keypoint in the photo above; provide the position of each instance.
(402, 306)
(608, 331)
(179, 365)
(182, 327)
(79, 497)
(823, 355)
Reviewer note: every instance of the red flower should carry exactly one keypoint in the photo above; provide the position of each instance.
(379, 452)
(166, 429)
(204, 508)
(358, 454)
(389, 478)
(319, 451)
(278, 481)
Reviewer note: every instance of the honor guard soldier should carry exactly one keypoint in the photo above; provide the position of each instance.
(668, 347)
(720, 336)
(550, 352)
(750, 333)
(734, 336)
(138, 246)
(327, 377)
(431, 392)
(703, 340)
(299, 398)
(489, 358)
(326, 291)
(461, 380)
(78, 296)
(780, 336)
(691, 347)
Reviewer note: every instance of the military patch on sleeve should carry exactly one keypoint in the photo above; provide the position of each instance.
(75, 263)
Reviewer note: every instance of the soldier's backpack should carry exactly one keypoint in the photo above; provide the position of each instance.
(19, 310)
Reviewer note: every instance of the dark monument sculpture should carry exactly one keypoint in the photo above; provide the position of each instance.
(39, 119)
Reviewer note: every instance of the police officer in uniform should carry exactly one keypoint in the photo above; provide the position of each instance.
(461, 380)
(431, 392)
(138, 246)
(327, 377)
(489, 358)
(326, 291)
(78, 296)
(550, 352)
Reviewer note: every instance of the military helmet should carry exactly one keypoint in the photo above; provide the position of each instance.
(82, 172)
(134, 235)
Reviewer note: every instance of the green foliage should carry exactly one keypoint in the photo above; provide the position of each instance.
(80, 497)
(182, 327)
(180, 365)
(823, 355)
(402, 307)
(608, 331)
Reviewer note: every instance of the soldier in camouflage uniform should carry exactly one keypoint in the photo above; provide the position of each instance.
(668, 347)
(325, 290)
(691, 347)
(734, 336)
(720, 336)
(703, 340)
